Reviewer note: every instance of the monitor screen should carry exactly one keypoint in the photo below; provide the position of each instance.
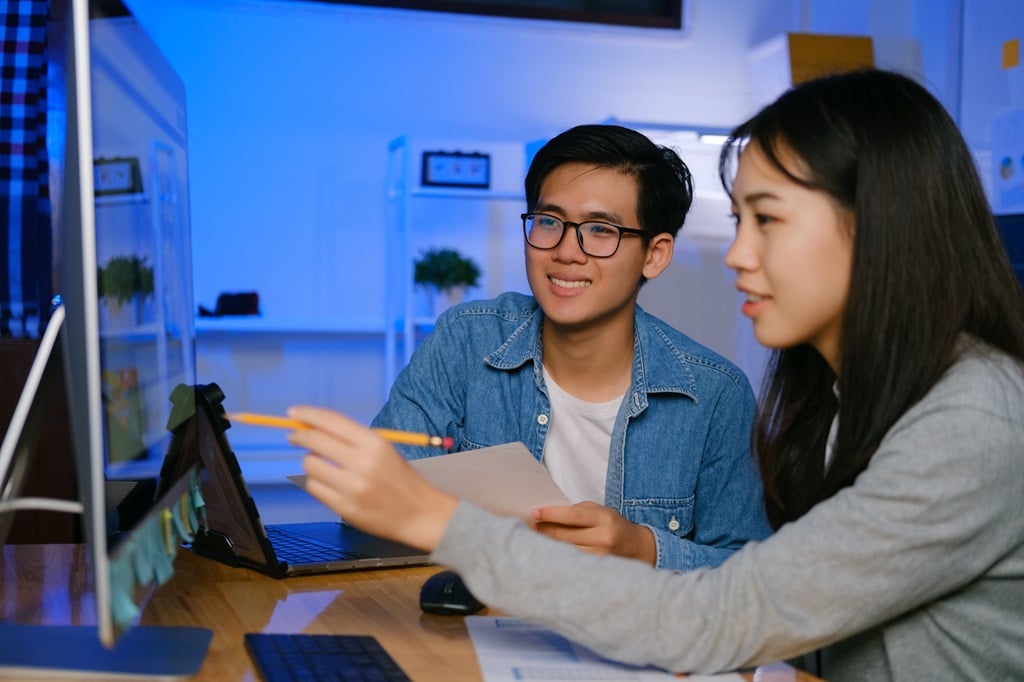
(143, 252)
(125, 278)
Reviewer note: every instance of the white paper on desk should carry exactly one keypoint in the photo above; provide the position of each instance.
(504, 479)
(514, 650)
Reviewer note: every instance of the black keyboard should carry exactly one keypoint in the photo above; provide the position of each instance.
(345, 658)
(298, 549)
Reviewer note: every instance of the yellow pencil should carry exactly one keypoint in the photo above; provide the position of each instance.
(391, 435)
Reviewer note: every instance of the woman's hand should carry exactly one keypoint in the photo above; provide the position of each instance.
(359, 475)
(597, 529)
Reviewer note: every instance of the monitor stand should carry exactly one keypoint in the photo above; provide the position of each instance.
(51, 651)
(157, 652)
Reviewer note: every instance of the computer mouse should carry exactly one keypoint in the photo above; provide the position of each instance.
(445, 594)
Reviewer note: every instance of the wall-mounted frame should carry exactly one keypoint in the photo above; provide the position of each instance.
(456, 169)
(649, 14)
(119, 175)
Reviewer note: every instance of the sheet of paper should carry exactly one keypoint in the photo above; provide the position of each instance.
(514, 650)
(504, 479)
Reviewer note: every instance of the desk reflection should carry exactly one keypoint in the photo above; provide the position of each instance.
(47, 584)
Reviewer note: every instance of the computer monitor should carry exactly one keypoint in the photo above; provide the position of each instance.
(123, 224)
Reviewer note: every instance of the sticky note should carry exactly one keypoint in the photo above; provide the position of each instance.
(1011, 53)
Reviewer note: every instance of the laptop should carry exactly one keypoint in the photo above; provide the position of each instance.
(233, 532)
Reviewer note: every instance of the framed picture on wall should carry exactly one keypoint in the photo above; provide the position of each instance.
(456, 169)
(649, 14)
(120, 175)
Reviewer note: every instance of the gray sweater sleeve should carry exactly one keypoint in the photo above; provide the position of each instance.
(936, 511)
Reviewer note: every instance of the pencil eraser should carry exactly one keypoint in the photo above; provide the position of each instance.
(448, 443)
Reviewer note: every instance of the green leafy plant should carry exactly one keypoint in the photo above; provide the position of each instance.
(123, 277)
(445, 268)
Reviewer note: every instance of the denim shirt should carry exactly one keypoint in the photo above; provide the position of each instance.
(680, 461)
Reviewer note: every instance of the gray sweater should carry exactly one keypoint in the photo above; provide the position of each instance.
(914, 572)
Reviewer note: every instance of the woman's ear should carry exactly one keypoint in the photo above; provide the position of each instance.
(659, 254)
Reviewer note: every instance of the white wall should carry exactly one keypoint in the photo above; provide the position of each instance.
(291, 106)
(990, 91)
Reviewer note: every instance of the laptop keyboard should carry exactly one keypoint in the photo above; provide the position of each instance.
(345, 658)
(299, 550)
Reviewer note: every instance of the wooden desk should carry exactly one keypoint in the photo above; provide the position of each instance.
(47, 584)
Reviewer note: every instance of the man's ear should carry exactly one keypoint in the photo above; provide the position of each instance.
(659, 254)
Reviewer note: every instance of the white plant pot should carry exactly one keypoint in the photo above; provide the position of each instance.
(114, 315)
(443, 299)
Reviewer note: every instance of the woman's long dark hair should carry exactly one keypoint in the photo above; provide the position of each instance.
(928, 266)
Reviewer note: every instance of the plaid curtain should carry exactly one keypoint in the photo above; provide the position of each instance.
(26, 236)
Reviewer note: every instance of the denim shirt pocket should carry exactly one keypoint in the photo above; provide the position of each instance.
(467, 444)
(673, 516)
(478, 439)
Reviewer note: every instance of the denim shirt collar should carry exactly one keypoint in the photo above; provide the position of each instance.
(658, 365)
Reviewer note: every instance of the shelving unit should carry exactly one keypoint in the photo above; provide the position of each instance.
(478, 222)
(256, 324)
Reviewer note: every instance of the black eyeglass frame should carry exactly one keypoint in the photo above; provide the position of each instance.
(579, 235)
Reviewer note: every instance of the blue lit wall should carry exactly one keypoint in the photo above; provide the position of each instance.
(292, 105)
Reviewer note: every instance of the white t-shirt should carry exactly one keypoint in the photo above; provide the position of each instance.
(579, 438)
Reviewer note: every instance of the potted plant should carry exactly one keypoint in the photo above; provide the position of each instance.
(125, 279)
(447, 271)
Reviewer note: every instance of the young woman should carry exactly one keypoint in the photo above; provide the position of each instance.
(890, 434)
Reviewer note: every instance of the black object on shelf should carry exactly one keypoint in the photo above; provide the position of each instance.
(243, 303)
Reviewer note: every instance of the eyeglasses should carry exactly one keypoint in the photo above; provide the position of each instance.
(596, 239)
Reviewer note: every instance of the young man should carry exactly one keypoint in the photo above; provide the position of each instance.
(646, 430)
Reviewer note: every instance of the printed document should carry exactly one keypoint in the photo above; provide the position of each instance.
(503, 479)
(514, 650)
